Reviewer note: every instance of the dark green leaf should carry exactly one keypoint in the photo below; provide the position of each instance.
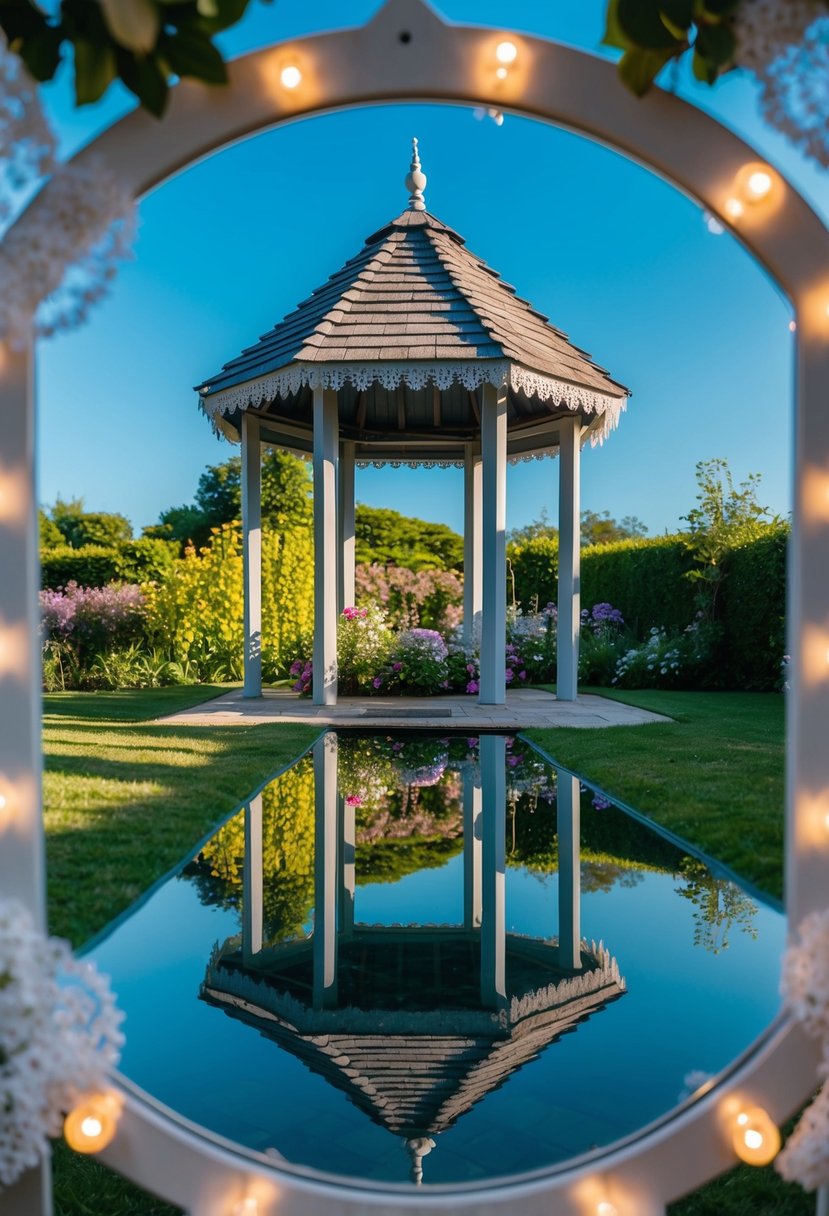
(190, 53)
(703, 70)
(679, 12)
(41, 52)
(716, 8)
(642, 25)
(717, 44)
(613, 33)
(94, 71)
(638, 69)
(143, 77)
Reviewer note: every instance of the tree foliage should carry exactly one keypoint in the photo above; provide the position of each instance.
(143, 43)
(286, 500)
(79, 527)
(391, 539)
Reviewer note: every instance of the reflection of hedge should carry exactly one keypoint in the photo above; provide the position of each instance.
(288, 846)
(644, 578)
(389, 860)
(753, 612)
(135, 561)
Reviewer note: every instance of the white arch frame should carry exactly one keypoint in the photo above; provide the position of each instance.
(443, 63)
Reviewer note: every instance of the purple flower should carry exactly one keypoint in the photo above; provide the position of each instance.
(397, 666)
(377, 682)
(522, 675)
(512, 761)
(509, 675)
(472, 687)
(601, 803)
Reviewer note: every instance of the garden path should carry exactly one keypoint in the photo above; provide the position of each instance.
(524, 707)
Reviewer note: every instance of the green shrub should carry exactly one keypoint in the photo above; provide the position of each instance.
(645, 579)
(92, 566)
(145, 560)
(532, 573)
(752, 612)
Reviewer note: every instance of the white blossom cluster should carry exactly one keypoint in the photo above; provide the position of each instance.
(805, 986)
(59, 1036)
(62, 256)
(27, 146)
(786, 44)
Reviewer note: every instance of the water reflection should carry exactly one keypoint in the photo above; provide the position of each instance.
(407, 966)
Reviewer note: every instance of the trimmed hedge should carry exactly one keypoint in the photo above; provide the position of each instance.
(532, 573)
(752, 611)
(135, 561)
(644, 578)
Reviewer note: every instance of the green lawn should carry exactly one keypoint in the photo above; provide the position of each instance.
(113, 783)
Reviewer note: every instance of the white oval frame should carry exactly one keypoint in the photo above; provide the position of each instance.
(560, 85)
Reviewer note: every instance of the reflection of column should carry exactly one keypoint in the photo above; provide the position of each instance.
(252, 553)
(472, 543)
(569, 871)
(252, 906)
(345, 506)
(348, 819)
(325, 871)
(471, 852)
(493, 822)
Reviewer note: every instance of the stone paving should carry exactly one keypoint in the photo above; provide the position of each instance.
(525, 707)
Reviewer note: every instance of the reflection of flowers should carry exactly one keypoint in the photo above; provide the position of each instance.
(58, 1037)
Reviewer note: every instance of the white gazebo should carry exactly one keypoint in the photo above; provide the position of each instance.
(415, 352)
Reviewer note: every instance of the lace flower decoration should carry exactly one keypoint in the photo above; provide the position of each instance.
(805, 978)
(786, 44)
(59, 1037)
(27, 146)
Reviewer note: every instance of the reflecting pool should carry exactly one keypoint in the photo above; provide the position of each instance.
(436, 960)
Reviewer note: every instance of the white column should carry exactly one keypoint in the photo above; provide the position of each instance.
(472, 542)
(345, 496)
(568, 818)
(22, 862)
(493, 940)
(252, 880)
(348, 818)
(326, 444)
(472, 845)
(494, 506)
(326, 878)
(252, 552)
(569, 561)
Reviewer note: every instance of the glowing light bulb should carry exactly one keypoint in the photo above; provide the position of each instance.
(759, 184)
(506, 53)
(734, 208)
(756, 1139)
(92, 1124)
(5, 805)
(247, 1207)
(606, 1208)
(501, 73)
(290, 76)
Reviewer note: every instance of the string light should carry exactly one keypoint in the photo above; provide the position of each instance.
(506, 53)
(6, 806)
(92, 1124)
(247, 1207)
(756, 1138)
(290, 76)
(605, 1208)
(734, 208)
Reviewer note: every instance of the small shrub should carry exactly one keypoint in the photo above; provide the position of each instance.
(418, 663)
(658, 662)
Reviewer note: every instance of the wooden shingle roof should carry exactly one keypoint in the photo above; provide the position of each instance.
(415, 313)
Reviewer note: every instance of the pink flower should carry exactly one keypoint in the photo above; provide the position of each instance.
(397, 666)
(353, 800)
(472, 687)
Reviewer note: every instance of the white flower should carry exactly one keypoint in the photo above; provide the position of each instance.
(59, 1036)
(805, 978)
(805, 1159)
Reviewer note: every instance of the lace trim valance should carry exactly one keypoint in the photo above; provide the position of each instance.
(443, 374)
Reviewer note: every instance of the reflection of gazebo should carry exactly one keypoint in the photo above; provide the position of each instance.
(414, 352)
(415, 1023)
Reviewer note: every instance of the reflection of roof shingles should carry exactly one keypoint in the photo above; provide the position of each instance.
(417, 1073)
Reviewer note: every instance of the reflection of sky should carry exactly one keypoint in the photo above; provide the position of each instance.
(685, 1009)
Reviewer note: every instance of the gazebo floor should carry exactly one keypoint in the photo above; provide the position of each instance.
(524, 707)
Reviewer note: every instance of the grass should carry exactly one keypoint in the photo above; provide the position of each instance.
(114, 782)
(714, 775)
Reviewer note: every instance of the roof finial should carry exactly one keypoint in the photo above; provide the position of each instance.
(419, 1148)
(416, 182)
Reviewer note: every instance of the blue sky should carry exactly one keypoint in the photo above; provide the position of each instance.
(618, 260)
